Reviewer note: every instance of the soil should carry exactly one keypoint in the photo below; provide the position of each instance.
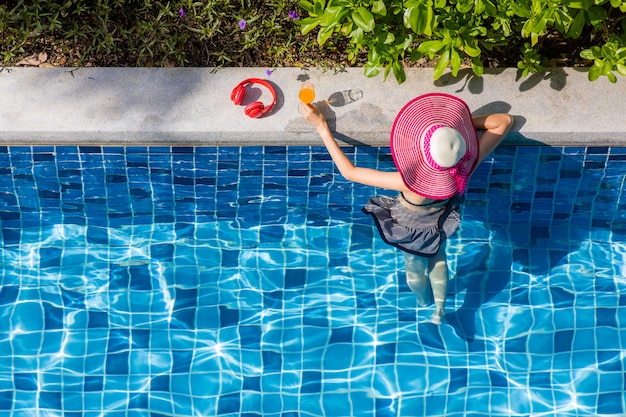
(555, 51)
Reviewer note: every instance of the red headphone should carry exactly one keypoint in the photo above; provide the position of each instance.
(255, 109)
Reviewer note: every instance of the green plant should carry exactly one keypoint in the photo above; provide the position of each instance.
(452, 33)
(611, 55)
(607, 58)
(151, 32)
(375, 25)
(457, 33)
(383, 36)
(531, 61)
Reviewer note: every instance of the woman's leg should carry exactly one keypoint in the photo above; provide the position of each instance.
(416, 278)
(438, 277)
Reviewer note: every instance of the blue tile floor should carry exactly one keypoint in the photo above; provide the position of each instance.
(177, 281)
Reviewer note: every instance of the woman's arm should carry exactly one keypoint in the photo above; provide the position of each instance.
(367, 176)
(496, 126)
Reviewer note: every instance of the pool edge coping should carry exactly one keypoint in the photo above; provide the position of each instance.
(192, 106)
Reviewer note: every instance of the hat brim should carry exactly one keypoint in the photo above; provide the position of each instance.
(409, 127)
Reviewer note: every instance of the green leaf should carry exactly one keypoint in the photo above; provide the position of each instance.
(308, 24)
(373, 56)
(526, 29)
(332, 16)
(387, 71)
(478, 31)
(426, 21)
(404, 45)
(621, 69)
(479, 6)
(442, 64)
(324, 34)
(455, 61)
(577, 25)
(477, 67)
(371, 70)
(534, 38)
(597, 15)
(616, 3)
(464, 6)
(586, 54)
(398, 72)
(357, 36)
(319, 7)
(596, 51)
(594, 73)
(410, 18)
(364, 19)
(431, 47)
(386, 38)
(620, 53)
(379, 8)
(520, 9)
(607, 50)
(538, 23)
(490, 8)
(471, 48)
(416, 55)
(419, 19)
(612, 77)
(307, 6)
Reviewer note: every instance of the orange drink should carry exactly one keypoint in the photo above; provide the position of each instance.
(307, 93)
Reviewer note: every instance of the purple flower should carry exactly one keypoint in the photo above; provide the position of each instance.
(242, 24)
(293, 15)
(181, 13)
(268, 72)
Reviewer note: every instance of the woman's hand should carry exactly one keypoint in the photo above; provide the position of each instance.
(313, 115)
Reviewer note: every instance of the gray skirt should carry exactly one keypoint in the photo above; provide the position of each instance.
(416, 230)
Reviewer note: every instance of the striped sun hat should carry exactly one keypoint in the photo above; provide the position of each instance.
(434, 145)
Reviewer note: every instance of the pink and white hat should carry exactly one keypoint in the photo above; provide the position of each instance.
(434, 145)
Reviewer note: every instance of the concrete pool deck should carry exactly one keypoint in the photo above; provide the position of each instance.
(192, 106)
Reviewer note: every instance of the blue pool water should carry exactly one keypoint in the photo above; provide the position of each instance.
(246, 281)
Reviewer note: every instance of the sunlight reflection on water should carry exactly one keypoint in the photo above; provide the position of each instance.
(309, 312)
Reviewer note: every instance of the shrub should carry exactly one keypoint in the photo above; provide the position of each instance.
(153, 33)
(459, 32)
(382, 35)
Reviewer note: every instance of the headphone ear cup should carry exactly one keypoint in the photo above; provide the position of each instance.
(255, 109)
(238, 94)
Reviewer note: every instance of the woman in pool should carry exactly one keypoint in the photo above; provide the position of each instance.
(435, 149)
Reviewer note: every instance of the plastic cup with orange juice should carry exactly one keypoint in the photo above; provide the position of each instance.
(307, 93)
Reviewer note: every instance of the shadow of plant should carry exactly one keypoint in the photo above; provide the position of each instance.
(557, 77)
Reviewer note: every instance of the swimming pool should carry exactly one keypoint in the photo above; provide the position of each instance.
(245, 281)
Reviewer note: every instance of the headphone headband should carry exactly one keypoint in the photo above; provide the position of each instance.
(255, 109)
